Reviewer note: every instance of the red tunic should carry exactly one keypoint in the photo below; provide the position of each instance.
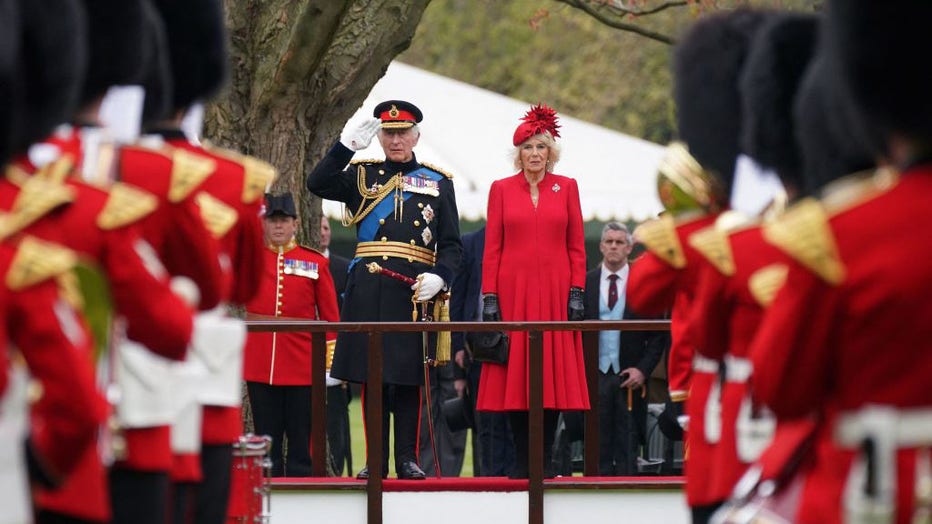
(48, 334)
(101, 225)
(843, 335)
(295, 282)
(231, 200)
(726, 313)
(657, 285)
(532, 258)
(175, 229)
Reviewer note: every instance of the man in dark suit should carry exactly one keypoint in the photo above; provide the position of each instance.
(626, 358)
(338, 392)
(496, 450)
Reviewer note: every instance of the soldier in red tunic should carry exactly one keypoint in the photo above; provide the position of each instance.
(848, 334)
(230, 200)
(100, 224)
(744, 271)
(296, 283)
(694, 185)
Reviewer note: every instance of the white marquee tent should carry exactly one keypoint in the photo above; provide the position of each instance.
(467, 131)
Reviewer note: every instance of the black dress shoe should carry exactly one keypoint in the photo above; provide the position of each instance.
(411, 471)
(364, 473)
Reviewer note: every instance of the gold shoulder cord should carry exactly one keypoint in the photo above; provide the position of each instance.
(377, 196)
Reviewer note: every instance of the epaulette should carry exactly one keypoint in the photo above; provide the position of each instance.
(437, 169)
(712, 243)
(36, 261)
(804, 234)
(188, 172)
(259, 174)
(125, 205)
(766, 281)
(36, 198)
(217, 216)
(854, 189)
(660, 238)
(367, 161)
(312, 249)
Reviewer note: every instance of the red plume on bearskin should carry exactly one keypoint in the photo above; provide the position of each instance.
(538, 119)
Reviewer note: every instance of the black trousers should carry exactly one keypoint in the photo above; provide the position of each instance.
(338, 429)
(621, 431)
(212, 495)
(405, 403)
(284, 412)
(138, 497)
(521, 434)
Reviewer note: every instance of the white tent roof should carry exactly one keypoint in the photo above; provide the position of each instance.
(467, 132)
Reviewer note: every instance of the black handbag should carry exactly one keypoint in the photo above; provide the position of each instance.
(488, 346)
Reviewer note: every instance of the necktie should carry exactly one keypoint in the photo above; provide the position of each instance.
(612, 290)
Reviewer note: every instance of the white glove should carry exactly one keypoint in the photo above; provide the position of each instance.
(358, 136)
(428, 285)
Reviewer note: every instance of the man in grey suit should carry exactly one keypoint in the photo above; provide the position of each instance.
(626, 358)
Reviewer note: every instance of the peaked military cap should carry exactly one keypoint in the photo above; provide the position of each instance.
(397, 114)
(280, 205)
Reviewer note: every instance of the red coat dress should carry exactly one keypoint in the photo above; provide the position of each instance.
(850, 328)
(295, 282)
(665, 278)
(532, 258)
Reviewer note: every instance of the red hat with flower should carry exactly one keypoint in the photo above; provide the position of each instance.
(538, 120)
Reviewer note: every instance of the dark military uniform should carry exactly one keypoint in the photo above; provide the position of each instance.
(407, 222)
(421, 235)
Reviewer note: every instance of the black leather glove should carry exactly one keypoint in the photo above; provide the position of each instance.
(490, 310)
(575, 307)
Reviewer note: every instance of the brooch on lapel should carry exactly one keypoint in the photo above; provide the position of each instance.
(555, 188)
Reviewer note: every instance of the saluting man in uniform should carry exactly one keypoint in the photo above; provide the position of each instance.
(296, 283)
(406, 219)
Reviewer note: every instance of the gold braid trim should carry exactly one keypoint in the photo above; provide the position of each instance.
(372, 195)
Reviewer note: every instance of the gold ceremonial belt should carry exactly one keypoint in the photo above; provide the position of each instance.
(396, 250)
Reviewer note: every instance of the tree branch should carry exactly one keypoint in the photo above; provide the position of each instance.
(612, 14)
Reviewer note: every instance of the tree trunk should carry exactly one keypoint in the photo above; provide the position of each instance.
(299, 70)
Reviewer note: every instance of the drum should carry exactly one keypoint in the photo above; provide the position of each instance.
(250, 501)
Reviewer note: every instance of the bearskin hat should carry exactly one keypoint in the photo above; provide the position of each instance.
(706, 66)
(53, 60)
(116, 48)
(876, 45)
(157, 76)
(10, 88)
(830, 144)
(779, 55)
(197, 47)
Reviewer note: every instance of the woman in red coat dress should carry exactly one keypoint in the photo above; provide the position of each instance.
(534, 268)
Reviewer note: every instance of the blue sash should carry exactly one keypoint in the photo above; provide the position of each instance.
(370, 225)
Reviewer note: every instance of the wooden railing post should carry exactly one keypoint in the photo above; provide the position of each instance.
(536, 451)
(319, 405)
(374, 406)
(591, 417)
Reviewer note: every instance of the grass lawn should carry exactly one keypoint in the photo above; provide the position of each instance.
(357, 434)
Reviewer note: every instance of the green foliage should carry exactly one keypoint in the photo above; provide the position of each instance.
(547, 51)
